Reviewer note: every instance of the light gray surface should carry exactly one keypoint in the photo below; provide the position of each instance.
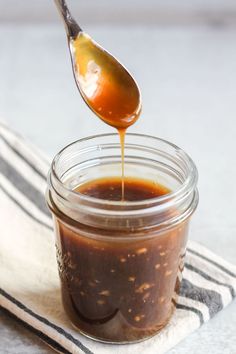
(124, 11)
(188, 81)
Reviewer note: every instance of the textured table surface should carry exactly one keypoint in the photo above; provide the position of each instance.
(188, 81)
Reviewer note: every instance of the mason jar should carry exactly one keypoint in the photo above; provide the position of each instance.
(120, 262)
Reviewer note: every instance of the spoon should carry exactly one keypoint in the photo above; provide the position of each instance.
(105, 85)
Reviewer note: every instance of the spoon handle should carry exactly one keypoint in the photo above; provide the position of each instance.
(72, 27)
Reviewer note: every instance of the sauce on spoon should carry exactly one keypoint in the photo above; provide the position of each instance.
(106, 86)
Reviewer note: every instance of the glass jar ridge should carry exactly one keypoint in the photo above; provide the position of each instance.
(146, 156)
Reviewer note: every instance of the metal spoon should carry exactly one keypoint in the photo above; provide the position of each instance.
(105, 85)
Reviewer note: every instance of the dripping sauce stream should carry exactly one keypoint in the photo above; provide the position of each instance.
(122, 146)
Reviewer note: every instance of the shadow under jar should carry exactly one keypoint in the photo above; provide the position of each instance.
(120, 262)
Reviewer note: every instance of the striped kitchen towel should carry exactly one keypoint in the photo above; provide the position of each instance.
(29, 283)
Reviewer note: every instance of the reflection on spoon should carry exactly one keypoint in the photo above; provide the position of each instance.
(106, 86)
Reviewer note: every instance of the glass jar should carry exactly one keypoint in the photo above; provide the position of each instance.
(120, 263)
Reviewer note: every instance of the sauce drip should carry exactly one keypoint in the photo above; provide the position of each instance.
(106, 86)
(122, 144)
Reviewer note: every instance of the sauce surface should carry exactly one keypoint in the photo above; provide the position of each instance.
(136, 189)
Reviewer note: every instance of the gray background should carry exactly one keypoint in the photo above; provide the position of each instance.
(183, 55)
(148, 12)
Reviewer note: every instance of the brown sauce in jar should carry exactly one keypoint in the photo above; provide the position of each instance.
(119, 291)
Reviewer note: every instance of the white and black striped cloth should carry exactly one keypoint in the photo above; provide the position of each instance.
(29, 283)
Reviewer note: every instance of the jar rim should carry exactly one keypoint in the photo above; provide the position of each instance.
(189, 182)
